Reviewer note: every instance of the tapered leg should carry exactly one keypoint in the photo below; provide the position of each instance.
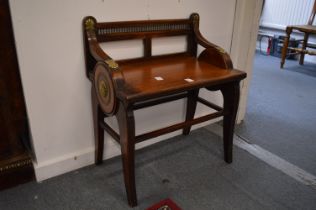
(191, 107)
(231, 100)
(98, 131)
(126, 123)
(285, 45)
(303, 48)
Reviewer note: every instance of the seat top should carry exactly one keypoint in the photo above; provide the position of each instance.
(305, 28)
(167, 75)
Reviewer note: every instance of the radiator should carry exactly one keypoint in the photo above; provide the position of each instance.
(278, 14)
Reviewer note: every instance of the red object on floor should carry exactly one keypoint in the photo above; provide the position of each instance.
(269, 46)
(166, 204)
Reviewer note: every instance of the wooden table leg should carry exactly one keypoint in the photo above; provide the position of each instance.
(126, 121)
(98, 115)
(191, 107)
(303, 48)
(231, 94)
(285, 45)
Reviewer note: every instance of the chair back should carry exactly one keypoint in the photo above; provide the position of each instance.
(145, 30)
(312, 17)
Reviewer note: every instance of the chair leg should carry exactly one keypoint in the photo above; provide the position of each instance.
(126, 121)
(303, 48)
(285, 45)
(98, 115)
(191, 107)
(231, 99)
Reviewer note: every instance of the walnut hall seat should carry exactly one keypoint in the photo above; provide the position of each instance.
(121, 86)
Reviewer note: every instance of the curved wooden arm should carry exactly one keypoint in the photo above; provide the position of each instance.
(89, 24)
(216, 58)
(212, 54)
(95, 49)
(96, 58)
(94, 53)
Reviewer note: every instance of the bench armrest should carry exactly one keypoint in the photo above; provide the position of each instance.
(212, 54)
(94, 51)
(102, 70)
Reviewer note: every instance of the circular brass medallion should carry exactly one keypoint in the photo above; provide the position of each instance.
(104, 89)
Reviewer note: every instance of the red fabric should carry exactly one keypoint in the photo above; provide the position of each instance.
(269, 46)
(166, 202)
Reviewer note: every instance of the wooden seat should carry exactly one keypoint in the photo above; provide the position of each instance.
(304, 28)
(122, 86)
(178, 73)
(307, 30)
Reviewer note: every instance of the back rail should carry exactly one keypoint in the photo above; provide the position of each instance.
(114, 31)
(97, 32)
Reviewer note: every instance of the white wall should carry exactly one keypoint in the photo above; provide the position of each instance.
(50, 50)
(279, 14)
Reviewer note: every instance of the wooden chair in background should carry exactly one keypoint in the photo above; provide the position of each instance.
(307, 30)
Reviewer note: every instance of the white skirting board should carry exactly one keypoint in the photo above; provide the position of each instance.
(82, 158)
(64, 164)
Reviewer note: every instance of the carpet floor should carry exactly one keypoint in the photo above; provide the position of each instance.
(188, 169)
(281, 110)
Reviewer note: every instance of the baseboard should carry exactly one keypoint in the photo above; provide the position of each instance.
(82, 158)
(79, 159)
(64, 164)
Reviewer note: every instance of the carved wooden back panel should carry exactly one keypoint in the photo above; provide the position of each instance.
(145, 30)
(141, 29)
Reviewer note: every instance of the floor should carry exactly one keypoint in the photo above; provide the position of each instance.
(190, 169)
(281, 114)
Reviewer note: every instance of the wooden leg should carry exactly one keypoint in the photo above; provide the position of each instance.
(98, 115)
(303, 48)
(231, 100)
(285, 45)
(126, 121)
(191, 107)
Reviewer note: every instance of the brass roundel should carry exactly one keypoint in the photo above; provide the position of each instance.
(104, 89)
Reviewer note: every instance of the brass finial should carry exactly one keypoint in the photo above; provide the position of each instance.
(111, 63)
(195, 16)
(89, 24)
(221, 50)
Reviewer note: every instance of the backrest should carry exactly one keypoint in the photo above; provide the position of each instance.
(145, 30)
(312, 17)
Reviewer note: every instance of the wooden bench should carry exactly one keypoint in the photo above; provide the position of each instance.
(122, 86)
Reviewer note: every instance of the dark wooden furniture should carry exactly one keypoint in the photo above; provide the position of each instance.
(120, 87)
(15, 161)
(307, 30)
